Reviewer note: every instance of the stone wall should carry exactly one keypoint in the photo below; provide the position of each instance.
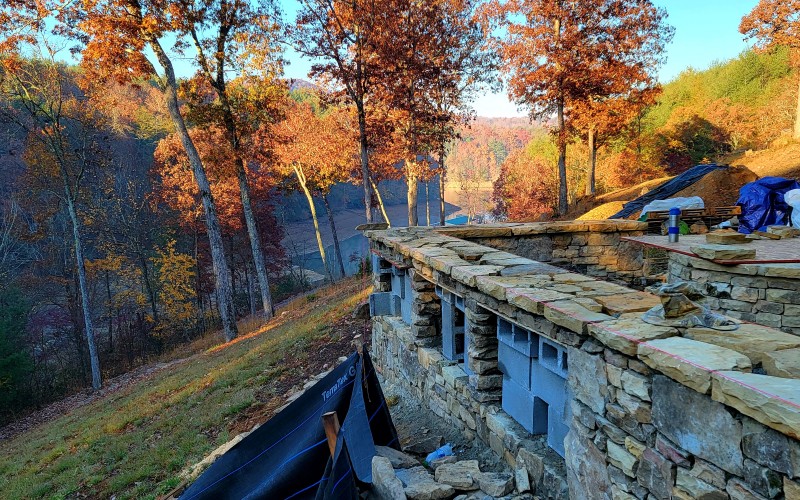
(593, 248)
(767, 294)
(653, 412)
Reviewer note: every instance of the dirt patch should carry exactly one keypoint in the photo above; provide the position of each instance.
(604, 211)
(720, 188)
(414, 421)
(296, 368)
(780, 161)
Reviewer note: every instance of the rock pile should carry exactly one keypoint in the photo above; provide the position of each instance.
(399, 476)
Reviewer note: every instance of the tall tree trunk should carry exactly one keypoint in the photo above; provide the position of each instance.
(442, 172)
(110, 316)
(380, 202)
(250, 292)
(411, 178)
(562, 161)
(301, 178)
(364, 146)
(255, 241)
(590, 183)
(94, 361)
(336, 248)
(151, 293)
(427, 205)
(222, 272)
(797, 116)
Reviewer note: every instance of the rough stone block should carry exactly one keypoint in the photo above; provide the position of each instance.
(385, 484)
(656, 473)
(770, 448)
(697, 424)
(784, 363)
(695, 488)
(625, 334)
(573, 316)
(754, 341)
(690, 362)
(773, 401)
(587, 379)
(620, 457)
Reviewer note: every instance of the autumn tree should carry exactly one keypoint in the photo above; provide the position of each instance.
(558, 53)
(774, 23)
(318, 150)
(118, 38)
(339, 36)
(236, 37)
(63, 146)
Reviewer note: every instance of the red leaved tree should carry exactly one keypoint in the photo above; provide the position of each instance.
(562, 53)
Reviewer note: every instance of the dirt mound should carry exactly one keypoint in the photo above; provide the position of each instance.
(719, 188)
(603, 211)
(779, 161)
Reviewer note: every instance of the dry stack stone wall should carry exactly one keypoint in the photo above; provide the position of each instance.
(651, 412)
(767, 294)
(593, 248)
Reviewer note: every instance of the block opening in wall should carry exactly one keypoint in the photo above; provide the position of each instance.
(534, 381)
(454, 327)
(541, 413)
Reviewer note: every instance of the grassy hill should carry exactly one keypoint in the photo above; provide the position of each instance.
(135, 441)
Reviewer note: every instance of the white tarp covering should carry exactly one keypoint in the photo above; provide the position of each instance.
(682, 203)
(792, 199)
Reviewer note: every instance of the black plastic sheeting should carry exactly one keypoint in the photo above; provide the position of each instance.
(288, 456)
(763, 204)
(666, 190)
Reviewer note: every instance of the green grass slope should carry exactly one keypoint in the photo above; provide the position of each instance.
(135, 442)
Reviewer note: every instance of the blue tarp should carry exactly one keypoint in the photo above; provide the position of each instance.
(763, 204)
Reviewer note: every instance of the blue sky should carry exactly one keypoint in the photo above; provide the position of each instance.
(705, 31)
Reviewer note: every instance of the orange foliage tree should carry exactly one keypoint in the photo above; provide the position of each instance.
(318, 149)
(560, 54)
(775, 23)
(117, 37)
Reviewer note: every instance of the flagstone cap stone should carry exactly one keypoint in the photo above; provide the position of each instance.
(773, 401)
(785, 363)
(690, 362)
(754, 341)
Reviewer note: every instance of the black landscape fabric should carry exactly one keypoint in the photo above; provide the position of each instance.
(667, 190)
(288, 456)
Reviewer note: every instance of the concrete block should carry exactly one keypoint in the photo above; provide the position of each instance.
(380, 304)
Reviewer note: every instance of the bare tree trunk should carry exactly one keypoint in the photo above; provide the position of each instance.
(336, 248)
(255, 241)
(302, 180)
(151, 294)
(94, 361)
(411, 178)
(442, 172)
(364, 146)
(222, 272)
(590, 180)
(250, 292)
(380, 202)
(110, 316)
(427, 205)
(562, 161)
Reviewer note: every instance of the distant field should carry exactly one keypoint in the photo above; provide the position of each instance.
(134, 443)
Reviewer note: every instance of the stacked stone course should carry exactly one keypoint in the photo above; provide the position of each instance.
(767, 294)
(655, 412)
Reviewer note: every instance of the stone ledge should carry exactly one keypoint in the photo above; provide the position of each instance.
(690, 362)
(625, 334)
(773, 401)
(754, 341)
